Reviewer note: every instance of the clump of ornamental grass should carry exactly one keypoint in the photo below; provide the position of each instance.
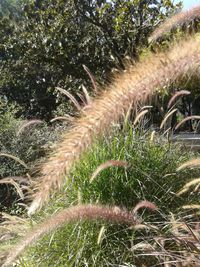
(134, 86)
(142, 169)
(76, 213)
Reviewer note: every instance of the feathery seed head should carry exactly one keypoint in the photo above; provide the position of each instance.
(75, 213)
(175, 21)
(109, 163)
(190, 164)
(194, 117)
(176, 95)
(14, 158)
(28, 124)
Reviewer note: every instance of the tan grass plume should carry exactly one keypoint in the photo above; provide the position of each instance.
(139, 116)
(175, 21)
(193, 117)
(75, 213)
(105, 165)
(189, 164)
(135, 85)
(15, 184)
(187, 186)
(167, 116)
(176, 95)
(14, 158)
(94, 83)
(144, 204)
(152, 136)
(67, 118)
(28, 124)
(192, 206)
(71, 97)
(86, 94)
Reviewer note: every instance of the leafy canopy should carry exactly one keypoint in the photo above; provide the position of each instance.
(48, 41)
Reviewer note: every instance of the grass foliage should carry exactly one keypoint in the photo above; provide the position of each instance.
(151, 175)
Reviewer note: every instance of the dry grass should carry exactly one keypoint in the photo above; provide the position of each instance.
(86, 94)
(139, 116)
(144, 204)
(94, 83)
(187, 186)
(192, 206)
(67, 118)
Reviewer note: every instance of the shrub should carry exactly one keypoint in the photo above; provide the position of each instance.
(29, 146)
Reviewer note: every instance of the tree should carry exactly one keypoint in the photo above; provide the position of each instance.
(11, 7)
(52, 39)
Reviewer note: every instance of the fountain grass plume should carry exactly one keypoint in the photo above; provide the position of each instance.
(75, 213)
(193, 117)
(189, 164)
(15, 184)
(105, 165)
(135, 85)
(71, 97)
(176, 95)
(175, 21)
(91, 78)
(187, 186)
(28, 124)
(167, 116)
(139, 116)
(67, 118)
(14, 158)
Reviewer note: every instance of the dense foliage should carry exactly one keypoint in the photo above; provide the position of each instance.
(45, 43)
(29, 145)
